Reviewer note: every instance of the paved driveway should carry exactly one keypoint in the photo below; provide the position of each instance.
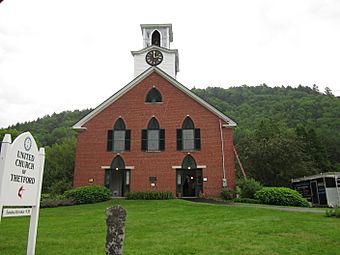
(281, 208)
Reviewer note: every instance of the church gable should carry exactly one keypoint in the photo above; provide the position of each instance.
(147, 87)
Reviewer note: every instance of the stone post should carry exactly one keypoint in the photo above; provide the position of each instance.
(115, 221)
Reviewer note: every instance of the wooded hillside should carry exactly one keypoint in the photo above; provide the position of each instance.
(282, 133)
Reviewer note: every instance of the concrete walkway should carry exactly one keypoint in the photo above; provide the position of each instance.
(292, 209)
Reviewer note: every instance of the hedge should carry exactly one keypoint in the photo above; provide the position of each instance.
(88, 194)
(280, 196)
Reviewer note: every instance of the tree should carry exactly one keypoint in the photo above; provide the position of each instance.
(313, 148)
(328, 92)
(274, 156)
(316, 88)
(13, 132)
(59, 166)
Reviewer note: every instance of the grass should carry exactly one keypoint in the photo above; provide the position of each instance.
(176, 227)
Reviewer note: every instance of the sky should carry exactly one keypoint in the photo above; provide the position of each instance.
(67, 55)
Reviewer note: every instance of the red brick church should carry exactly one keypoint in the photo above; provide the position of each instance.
(155, 134)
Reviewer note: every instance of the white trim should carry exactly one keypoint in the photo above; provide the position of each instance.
(199, 166)
(109, 167)
(152, 47)
(316, 176)
(222, 152)
(134, 82)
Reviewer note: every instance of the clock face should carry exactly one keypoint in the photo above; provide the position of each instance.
(154, 57)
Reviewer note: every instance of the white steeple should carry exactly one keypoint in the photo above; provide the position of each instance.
(156, 50)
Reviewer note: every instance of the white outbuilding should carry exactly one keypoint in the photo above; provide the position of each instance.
(321, 189)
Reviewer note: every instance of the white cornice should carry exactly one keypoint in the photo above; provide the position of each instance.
(151, 47)
(79, 125)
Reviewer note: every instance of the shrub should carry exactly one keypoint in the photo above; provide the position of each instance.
(280, 196)
(334, 212)
(88, 194)
(47, 196)
(149, 195)
(246, 200)
(50, 200)
(227, 194)
(248, 187)
(48, 203)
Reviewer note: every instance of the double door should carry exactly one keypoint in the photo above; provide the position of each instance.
(189, 182)
(118, 181)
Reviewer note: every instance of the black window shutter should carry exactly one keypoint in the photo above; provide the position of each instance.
(109, 140)
(127, 139)
(162, 139)
(197, 139)
(144, 139)
(179, 139)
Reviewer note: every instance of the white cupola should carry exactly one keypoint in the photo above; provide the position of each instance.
(156, 50)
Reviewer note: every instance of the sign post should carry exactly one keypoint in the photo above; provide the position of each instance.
(21, 173)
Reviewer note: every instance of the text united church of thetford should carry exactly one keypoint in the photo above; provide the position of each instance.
(26, 162)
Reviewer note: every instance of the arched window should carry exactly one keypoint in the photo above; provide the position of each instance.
(153, 138)
(118, 139)
(118, 163)
(153, 96)
(189, 163)
(188, 137)
(119, 125)
(188, 123)
(156, 38)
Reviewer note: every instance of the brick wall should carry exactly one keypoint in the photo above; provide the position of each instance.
(91, 151)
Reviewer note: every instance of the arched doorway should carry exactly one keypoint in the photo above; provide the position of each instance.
(189, 181)
(117, 178)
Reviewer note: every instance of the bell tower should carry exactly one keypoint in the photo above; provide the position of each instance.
(156, 50)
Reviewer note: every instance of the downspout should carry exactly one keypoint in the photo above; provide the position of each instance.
(224, 181)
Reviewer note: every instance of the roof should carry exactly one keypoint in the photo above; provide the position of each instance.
(316, 176)
(139, 78)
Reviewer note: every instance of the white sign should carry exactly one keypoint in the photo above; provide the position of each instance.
(21, 173)
(13, 212)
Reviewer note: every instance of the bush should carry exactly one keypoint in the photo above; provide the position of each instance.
(334, 212)
(47, 196)
(48, 203)
(149, 195)
(248, 187)
(280, 196)
(228, 194)
(88, 194)
(246, 200)
(49, 200)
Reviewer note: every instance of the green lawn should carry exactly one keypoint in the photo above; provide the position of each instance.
(176, 227)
